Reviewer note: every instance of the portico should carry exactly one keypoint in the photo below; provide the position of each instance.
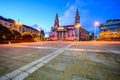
(61, 33)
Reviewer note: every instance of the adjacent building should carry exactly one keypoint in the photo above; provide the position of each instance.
(7, 22)
(110, 30)
(69, 32)
(10, 23)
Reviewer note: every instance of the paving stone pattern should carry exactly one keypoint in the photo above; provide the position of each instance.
(78, 65)
(13, 59)
(46, 61)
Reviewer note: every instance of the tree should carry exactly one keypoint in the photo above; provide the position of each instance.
(108, 35)
(5, 33)
(34, 35)
(42, 35)
(114, 36)
(26, 35)
(16, 34)
(102, 37)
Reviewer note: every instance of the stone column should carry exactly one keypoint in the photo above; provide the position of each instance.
(62, 35)
(77, 34)
(59, 35)
(66, 35)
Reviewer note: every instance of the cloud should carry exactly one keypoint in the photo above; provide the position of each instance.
(69, 15)
(68, 4)
(36, 27)
(86, 18)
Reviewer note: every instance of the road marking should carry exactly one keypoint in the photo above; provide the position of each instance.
(28, 69)
(37, 47)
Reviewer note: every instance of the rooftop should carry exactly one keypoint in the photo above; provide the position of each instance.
(111, 22)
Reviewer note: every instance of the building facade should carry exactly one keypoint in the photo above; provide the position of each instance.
(10, 23)
(110, 30)
(69, 32)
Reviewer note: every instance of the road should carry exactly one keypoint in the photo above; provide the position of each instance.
(91, 54)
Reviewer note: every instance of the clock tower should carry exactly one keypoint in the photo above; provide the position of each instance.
(77, 17)
(77, 26)
(56, 24)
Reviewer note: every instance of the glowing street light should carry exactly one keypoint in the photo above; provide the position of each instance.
(18, 24)
(96, 23)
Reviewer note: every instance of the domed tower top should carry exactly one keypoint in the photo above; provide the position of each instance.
(56, 24)
(77, 17)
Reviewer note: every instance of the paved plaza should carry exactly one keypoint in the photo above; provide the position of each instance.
(60, 60)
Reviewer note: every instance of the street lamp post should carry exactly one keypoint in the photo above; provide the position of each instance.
(18, 24)
(96, 23)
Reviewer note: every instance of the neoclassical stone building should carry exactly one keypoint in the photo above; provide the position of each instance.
(69, 32)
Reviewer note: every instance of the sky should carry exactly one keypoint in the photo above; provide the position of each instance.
(42, 12)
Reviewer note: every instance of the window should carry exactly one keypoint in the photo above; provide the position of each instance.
(0, 22)
(115, 29)
(105, 30)
(23, 30)
(72, 34)
(10, 24)
(6, 23)
(68, 33)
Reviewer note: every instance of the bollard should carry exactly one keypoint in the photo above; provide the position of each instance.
(9, 42)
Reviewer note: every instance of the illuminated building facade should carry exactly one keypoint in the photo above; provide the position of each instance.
(110, 30)
(10, 23)
(69, 32)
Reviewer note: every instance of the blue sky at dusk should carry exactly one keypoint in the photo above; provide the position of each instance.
(42, 12)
